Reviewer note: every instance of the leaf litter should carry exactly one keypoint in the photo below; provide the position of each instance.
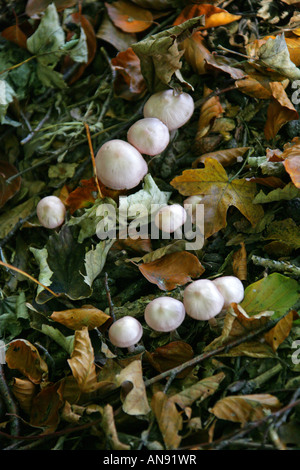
(74, 76)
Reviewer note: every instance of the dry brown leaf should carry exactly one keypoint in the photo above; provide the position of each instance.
(15, 34)
(239, 263)
(128, 17)
(291, 160)
(110, 430)
(135, 402)
(82, 361)
(171, 355)
(77, 318)
(24, 357)
(280, 332)
(24, 391)
(245, 408)
(280, 111)
(199, 391)
(255, 85)
(172, 270)
(109, 33)
(214, 16)
(224, 156)
(129, 82)
(196, 53)
(169, 419)
(220, 194)
(210, 110)
(45, 408)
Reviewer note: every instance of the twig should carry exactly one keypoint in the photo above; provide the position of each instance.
(93, 159)
(171, 373)
(38, 127)
(281, 266)
(110, 302)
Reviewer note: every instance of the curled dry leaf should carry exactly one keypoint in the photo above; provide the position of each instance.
(172, 270)
(24, 357)
(77, 318)
(7, 191)
(169, 419)
(45, 408)
(239, 263)
(110, 430)
(24, 391)
(135, 402)
(245, 408)
(82, 361)
(196, 52)
(291, 156)
(128, 17)
(280, 111)
(220, 194)
(224, 156)
(129, 82)
(210, 110)
(171, 355)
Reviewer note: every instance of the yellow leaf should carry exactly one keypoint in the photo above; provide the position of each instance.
(219, 194)
(77, 318)
(135, 402)
(24, 357)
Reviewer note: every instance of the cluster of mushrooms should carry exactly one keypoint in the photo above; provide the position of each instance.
(120, 165)
(202, 300)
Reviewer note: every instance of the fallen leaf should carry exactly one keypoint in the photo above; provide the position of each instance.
(128, 17)
(280, 332)
(245, 408)
(169, 419)
(15, 34)
(280, 111)
(135, 402)
(82, 361)
(171, 355)
(199, 391)
(220, 193)
(239, 263)
(172, 270)
(24, 357)
(129, 82)
(196, 53)
(214, 16)
(109, 427)
(210, 110)
(256, 85)
(224, 156)
(8, 190)
(35, 7)
(84, 195)
(286, 231)
(24, 391)
(115, 36)
(291, 160)
(45, 408)
(77, 318)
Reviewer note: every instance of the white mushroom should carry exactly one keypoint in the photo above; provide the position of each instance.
(51, 212)
(202, 300)
(149, 136)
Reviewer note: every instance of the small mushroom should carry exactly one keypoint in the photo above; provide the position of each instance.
(202, 300)
(164, 314)
(125, 332)
(170, 217)
(231, 288)
(51, 212)
(119, 165)
(174, 110)
(149, 135)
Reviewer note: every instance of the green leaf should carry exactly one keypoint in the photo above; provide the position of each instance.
(45, 271)
(12, 309)
(79, 52)
(95, 260)
(10, 218)
(49, 77)
(160, 55)
(275, 293)
(275, 54)
(48, 39)
(287, 193)
(7, 95)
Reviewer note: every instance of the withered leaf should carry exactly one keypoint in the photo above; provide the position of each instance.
(171, 355)
(82, 361)
(169, 419)
(7, 191)
(110, 430)
(135, 402)
(220, 193)
(77, 318)
(214, 16)
(245, 408)
(128, 17)
(199, 391)
(45, 408)
(172, 270)
(224, 156)
(129, 82)
(24, 391)
(210, 110)
(23, 356)
(280, 111)
(280, 332)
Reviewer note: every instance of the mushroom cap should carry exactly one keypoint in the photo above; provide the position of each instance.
(202, 300)
(231, 288)
(149, 135)
(51, 212)
(164, 314)
(174, 110)
(119, 165)
(125, 332)
(170, 217)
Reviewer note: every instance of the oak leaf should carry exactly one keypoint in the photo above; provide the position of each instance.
(219, 194)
